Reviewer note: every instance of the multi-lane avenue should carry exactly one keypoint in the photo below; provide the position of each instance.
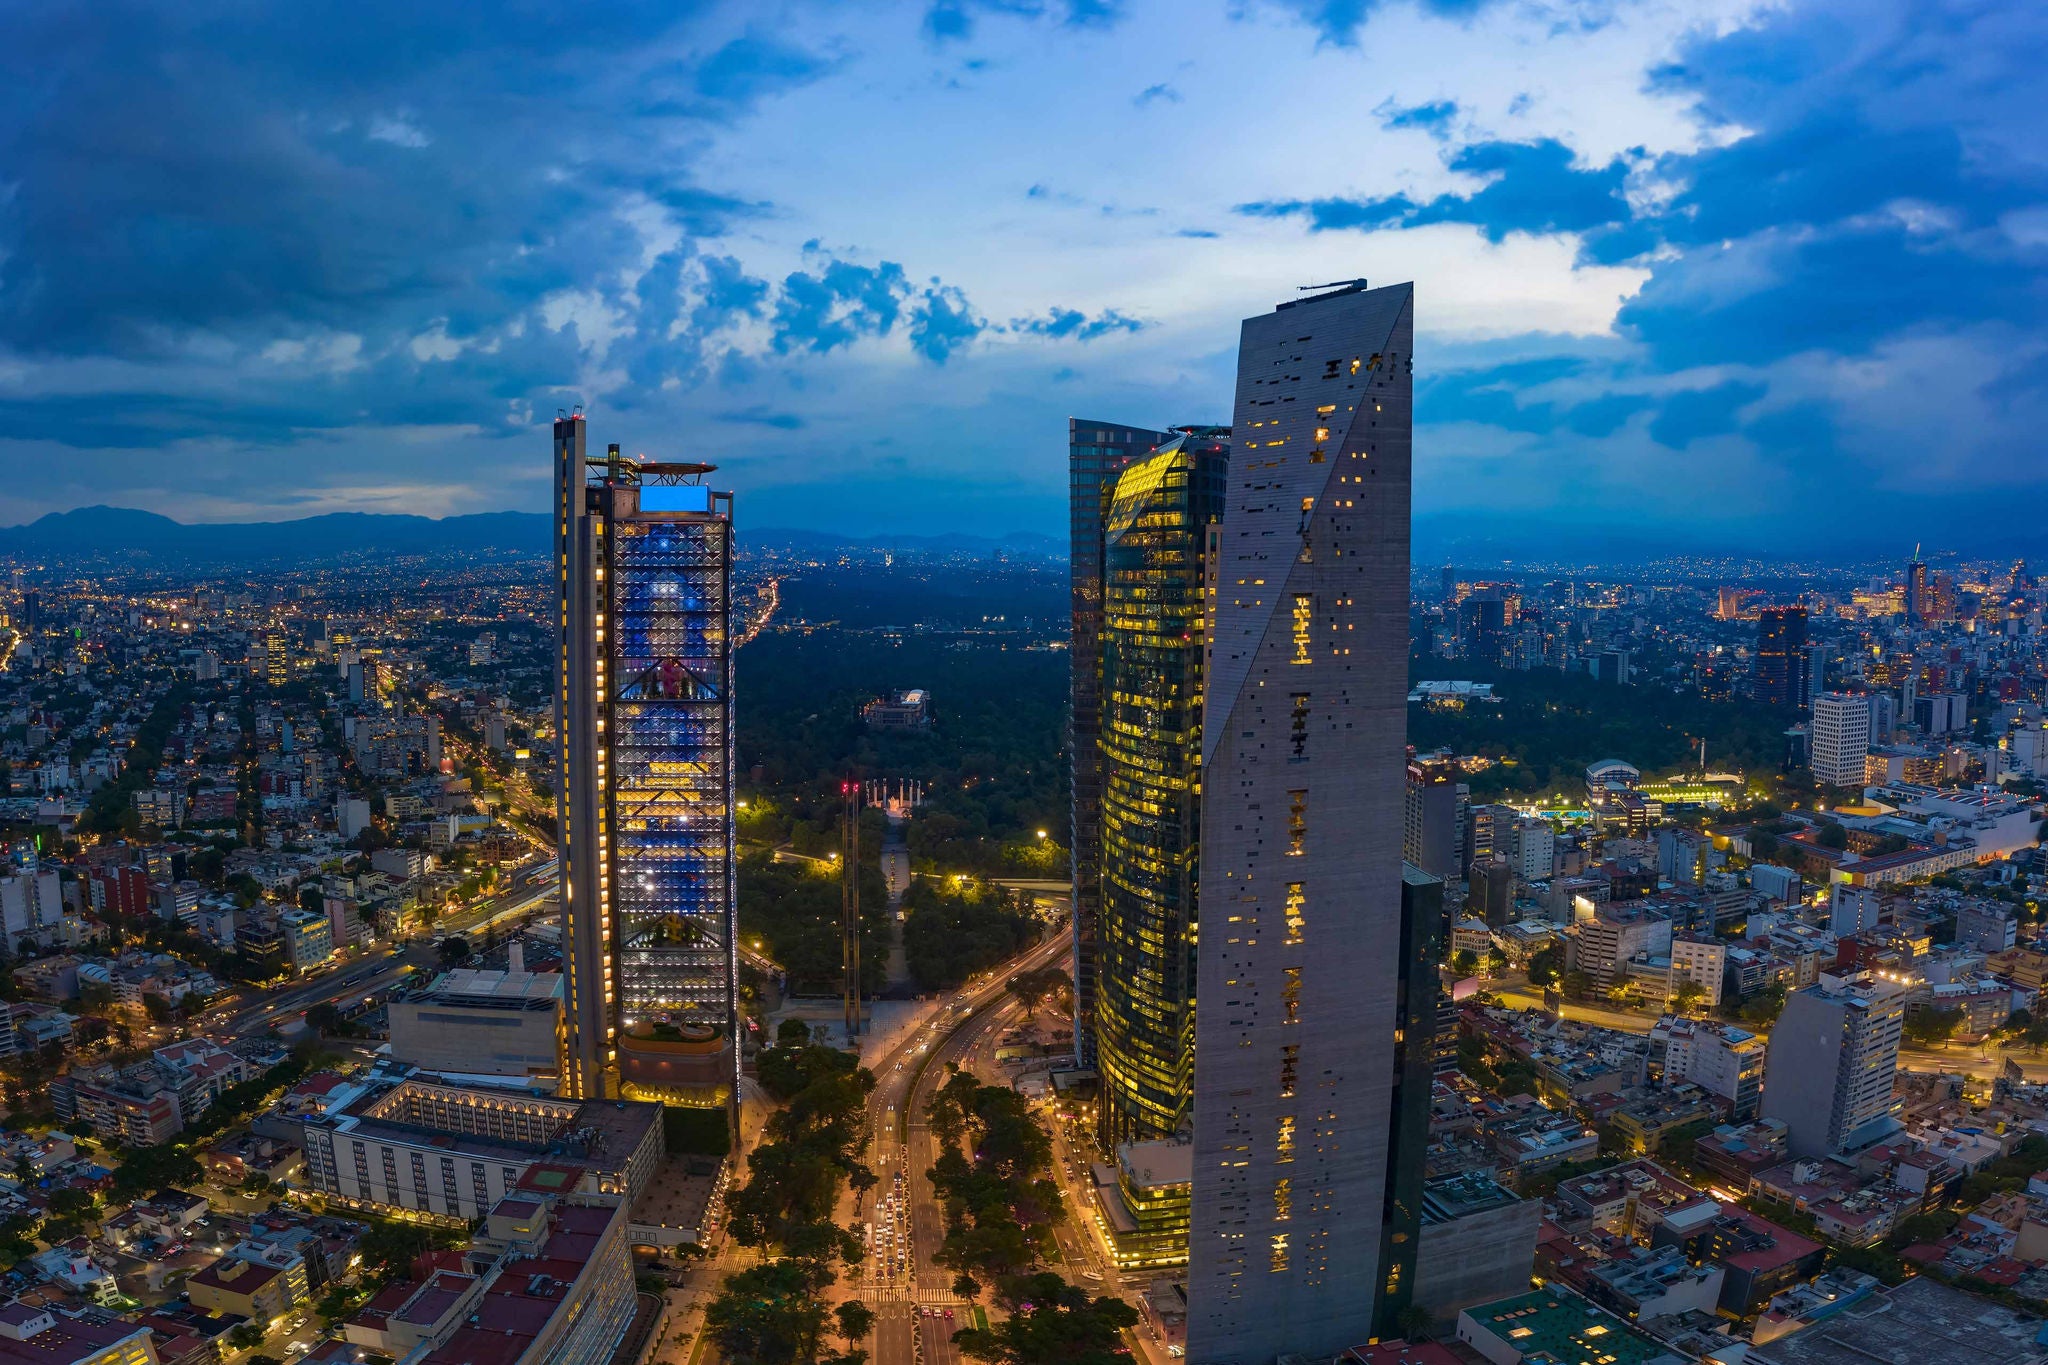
(374, 971)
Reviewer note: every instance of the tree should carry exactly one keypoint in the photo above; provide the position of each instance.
(1932, 1027)
(770, 1314)
(1763, 1007)
(856, 1320)
(1051, 1321)
(792, 1032)
(1464, 962)
(1687, 997)
(1046, 985)
(1577, 984)
(454, 949)
(248, 1336)
(1832, 835)
(1545, 966)
(1415, 1322)
(79, 1205)
(144, 1170)
(336, 1304)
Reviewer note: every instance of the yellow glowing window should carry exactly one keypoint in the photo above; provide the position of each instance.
(1289, 1056)
(1283, 1200)
(1297, 822)
(1283, 1142)
(1304, 620)
(1290, 995)
(1296, 911)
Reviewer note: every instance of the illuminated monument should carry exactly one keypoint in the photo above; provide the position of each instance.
(1314, 987)
(644, 790)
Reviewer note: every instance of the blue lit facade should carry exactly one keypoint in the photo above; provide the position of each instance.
(647, 790)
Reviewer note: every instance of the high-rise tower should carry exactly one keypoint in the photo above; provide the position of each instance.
(1299, 1151)
(1096, 454)
(1781, 658)
(1155, 528)
(643, 721)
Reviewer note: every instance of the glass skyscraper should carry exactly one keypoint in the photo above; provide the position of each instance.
(645, 790)
(1096, 454)
(1783, 666)
(1155, 524)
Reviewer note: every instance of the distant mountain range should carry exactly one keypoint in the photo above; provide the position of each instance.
(117, 531)
(1438, 538)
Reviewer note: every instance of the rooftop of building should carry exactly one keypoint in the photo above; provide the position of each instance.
(1462, 1195)
(1645, 1274)
(1565, 1328)
(1401, 1353)
(524, 1299)
(1921, 1320)
(38, 1335)
(1161, 1163)
(488, 989)
(1766, 1246)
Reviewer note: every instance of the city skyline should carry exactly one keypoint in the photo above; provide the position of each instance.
(342, 283)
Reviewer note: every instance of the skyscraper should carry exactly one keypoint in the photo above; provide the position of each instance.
(1916, 592)
(1297, 1146)
(1096, 454)
(1840, 737)
(643, 719)
(1781, 657)
(1482, 627)
(1833, 1059)
(1155, 527)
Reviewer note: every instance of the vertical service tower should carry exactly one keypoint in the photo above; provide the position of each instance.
(644, 796)
(1298, 1150)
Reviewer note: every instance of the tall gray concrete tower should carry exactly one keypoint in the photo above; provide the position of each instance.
(1300, 972)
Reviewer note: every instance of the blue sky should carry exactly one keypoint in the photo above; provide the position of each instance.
(1712, 270)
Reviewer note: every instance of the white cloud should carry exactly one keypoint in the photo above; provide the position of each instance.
(398, 130)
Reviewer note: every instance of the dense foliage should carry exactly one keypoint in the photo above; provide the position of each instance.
(993, 763)
(1051, 1322)
(1549, 726)
(953, 930)
(994, 1176)
(793, 910)
(773, 1314)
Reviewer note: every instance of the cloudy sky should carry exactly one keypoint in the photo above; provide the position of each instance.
(1712, 269)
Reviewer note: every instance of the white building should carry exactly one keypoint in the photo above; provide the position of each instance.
(1839, 737)
(1535, 849)
(1725, 1061)
(1834, 1057)
(1852, 909)
(1703, 960)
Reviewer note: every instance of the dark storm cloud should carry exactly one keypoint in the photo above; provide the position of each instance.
(1338, 22)
(1885, 193)
(948, 21)
(1531, 187)
(205, 166)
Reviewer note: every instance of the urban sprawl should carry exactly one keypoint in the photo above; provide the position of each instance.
(562, 954)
